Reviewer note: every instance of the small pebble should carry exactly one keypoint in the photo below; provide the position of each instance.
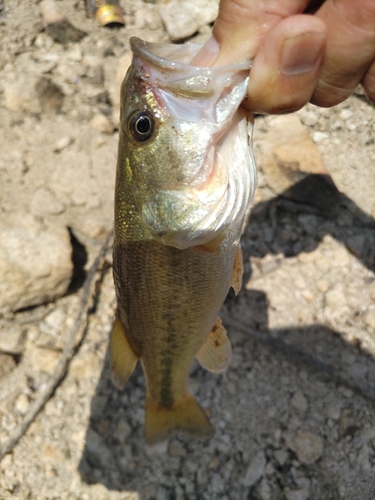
(319, 136)
(22, 404)
(63, 143)
(308, 447)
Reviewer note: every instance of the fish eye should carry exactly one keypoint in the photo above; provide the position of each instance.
(141, 126)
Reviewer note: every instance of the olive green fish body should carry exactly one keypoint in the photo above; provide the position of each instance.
(169, 299)
(185, 176)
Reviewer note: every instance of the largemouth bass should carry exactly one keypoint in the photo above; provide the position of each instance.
(185, 177)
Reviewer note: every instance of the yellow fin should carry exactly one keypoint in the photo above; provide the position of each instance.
(236, 282)
(185, 416)
(123, 360)
(216, 353)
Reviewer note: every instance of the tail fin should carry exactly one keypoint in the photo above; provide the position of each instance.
(185, 416)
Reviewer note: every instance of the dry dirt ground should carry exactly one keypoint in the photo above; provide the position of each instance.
(294, 414)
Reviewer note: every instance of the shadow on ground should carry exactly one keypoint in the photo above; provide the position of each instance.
(242, 402)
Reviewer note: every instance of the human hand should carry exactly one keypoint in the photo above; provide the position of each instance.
(298, 57)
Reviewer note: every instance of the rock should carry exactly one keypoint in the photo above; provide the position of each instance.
(32, 94)
(345, 114)
(335, 298)
(12, 338)
(44, 202)
(63, 143)
(299, 402)
(308, 447)
(369, 318)
(309, 118)
(101, 123)
(288, 154)
(35, 262)
(22, 404)
(357, 370)
(50, 95)
(20, 94)
(265, 490)
(281, 456)
(123, 431)
(356, 244)
(182, 19)
(7, 364)
(57, 26)
(94, 70)
(319, 136)
(50, 12)
(255, 469)
(364, 459)
(348, 423)
(333, 410)
(97, 451)
(297, 495)
(75, 54)
(44, 360)
(83, 367)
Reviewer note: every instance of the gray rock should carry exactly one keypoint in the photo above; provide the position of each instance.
(333, 409)
(299, 401)
(98, 452)
(35, 262)
(255, 469)
(281, 456)
(182, 19)
(297, 495)
(123, 431)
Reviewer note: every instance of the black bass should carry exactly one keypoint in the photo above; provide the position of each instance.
(185, 177)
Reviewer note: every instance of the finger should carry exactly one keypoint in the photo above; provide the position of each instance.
(350, 48)
(286, 67)
(368, 83)
(242, 24)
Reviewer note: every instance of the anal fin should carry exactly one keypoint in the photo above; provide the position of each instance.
(185, 416)
(216, 353)
(237, 274)
(123, 360)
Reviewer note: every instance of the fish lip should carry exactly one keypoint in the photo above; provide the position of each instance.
(148, 51)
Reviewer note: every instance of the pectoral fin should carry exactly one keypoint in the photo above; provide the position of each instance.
(236, 282)
(123, 360)
(216, 353)
(184, 416)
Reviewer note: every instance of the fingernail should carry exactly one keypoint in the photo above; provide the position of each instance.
(301, 53)
(208, 54)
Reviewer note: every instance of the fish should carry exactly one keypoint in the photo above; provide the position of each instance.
(184, 180)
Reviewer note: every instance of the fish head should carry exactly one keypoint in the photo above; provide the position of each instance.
(186, 143)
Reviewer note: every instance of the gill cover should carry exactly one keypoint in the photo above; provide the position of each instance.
(188, 145)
